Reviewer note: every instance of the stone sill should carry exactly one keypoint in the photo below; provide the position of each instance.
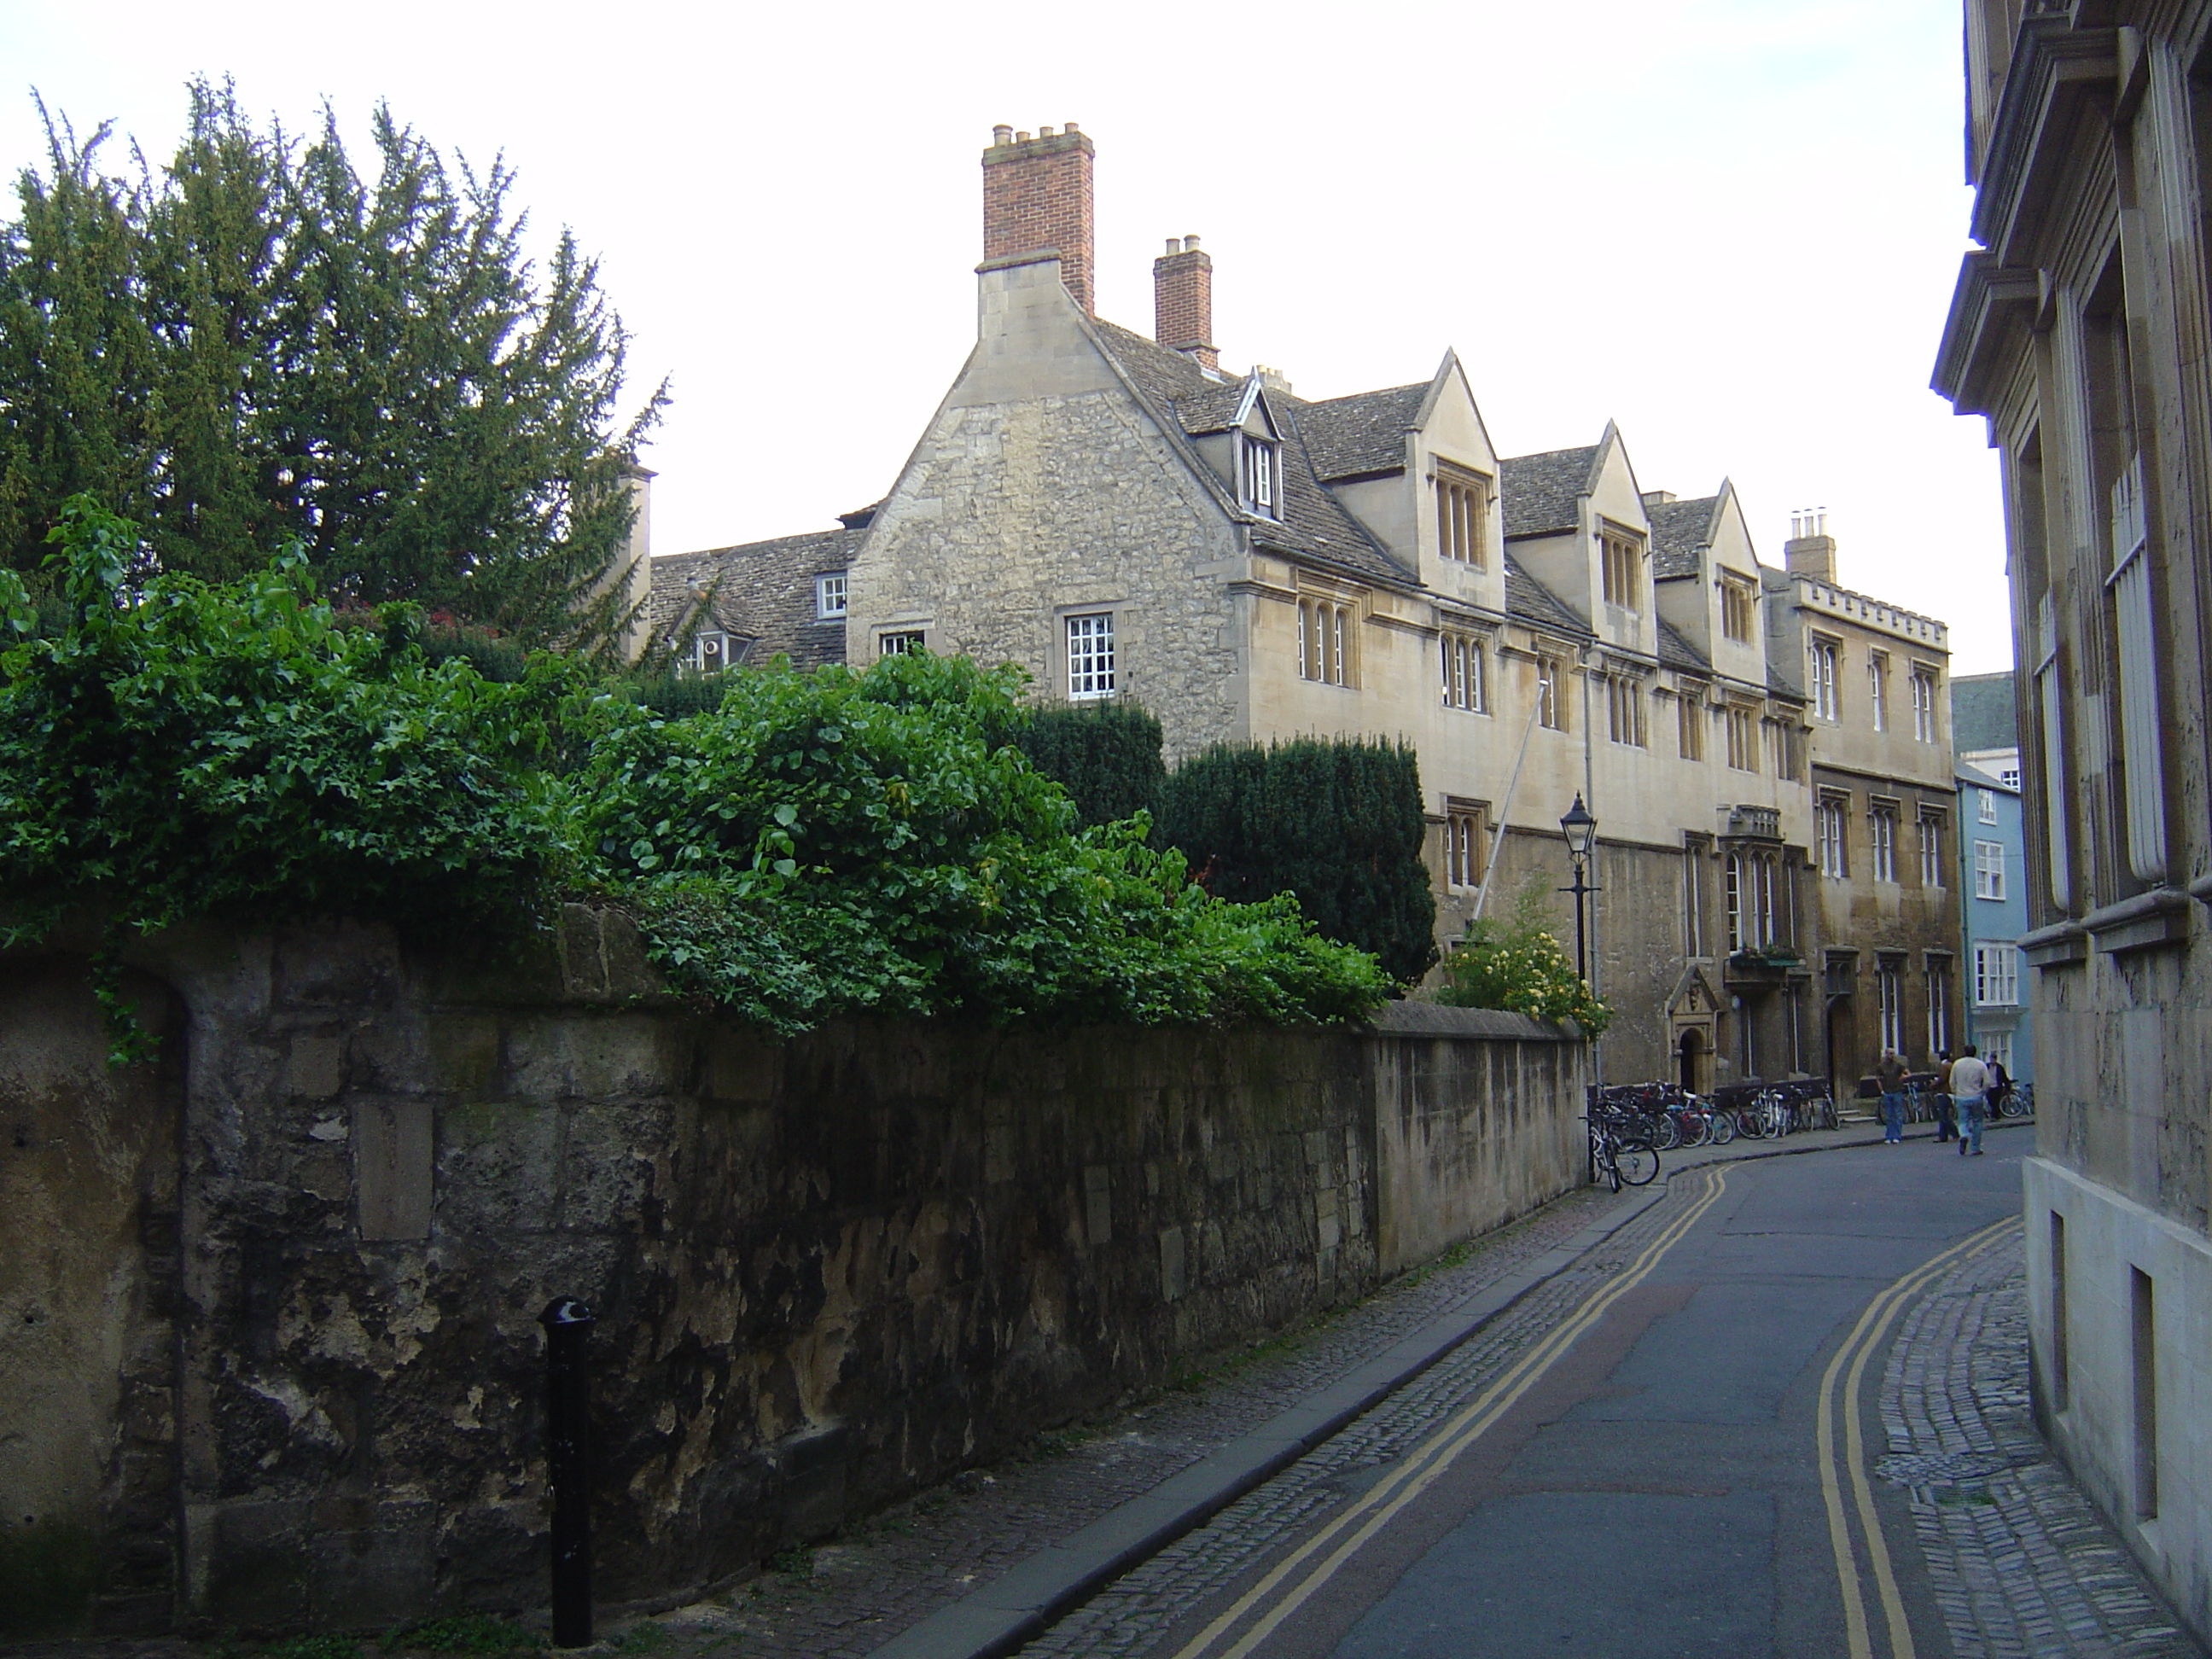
(2056, 946)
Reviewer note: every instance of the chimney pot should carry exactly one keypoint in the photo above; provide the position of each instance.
(1044, 132)
(1190, 245)
(1175, 244)
(1002, 134)
(1071, 127)
(1022, 136)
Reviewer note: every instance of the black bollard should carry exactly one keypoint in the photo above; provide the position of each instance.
(568, 1325)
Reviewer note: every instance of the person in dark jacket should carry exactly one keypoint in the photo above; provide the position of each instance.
(1890, 1071)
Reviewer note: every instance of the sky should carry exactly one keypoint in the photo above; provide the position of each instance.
(1731, 226)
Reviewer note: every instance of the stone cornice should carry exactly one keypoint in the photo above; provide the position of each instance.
(1987, 297)
(2055, 67)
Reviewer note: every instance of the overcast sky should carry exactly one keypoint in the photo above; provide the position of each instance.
(1731, 225)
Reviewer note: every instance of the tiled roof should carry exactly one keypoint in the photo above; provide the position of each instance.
(1539, 491)
(1677, 652)
(1532, 602)
(1365, 434)
(1983, 714)
(766, 595)
(1313, 526)
(1679, 529)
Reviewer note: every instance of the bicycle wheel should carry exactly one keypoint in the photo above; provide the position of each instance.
(1723, 1126)
(1663, 1132)
(1634, 1163)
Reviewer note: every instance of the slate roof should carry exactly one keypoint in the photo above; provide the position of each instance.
(1983, 715)
(1539, 491)
(1363, 434)
(1532, 602)
(1679, 529)
(1314, 525)
(1676, 651)
(765, 601)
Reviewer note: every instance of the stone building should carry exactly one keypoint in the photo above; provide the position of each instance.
(1126, 518)
(2078, 331)
(1884, 806)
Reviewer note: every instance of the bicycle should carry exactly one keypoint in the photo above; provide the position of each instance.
(1625, 1160)
(2018, 1101)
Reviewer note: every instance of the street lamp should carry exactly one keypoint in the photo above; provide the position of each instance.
(1581, 830)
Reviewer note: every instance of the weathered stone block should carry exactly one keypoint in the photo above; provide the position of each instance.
(392, 1152)
(498, 1167)
(315, 1069)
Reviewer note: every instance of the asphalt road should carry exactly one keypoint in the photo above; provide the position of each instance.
(1680, 1469)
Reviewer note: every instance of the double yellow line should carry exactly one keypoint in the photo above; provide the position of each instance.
(1857, 1350)
(1349, 1532)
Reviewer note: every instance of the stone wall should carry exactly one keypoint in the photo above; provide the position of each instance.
(828, 1272)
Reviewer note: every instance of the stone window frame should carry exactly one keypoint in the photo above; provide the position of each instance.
(896, 641)
(1467, 834)
(1878, 689)
(1889, 999)
(1924, 682)
(1932, 835)
(1260, 474)
(1690, 722)
(1883, 816)
(1463, 662)
(1463, 496)
(1739, 605)
(1824, 654)
(1620, 566)
(1329, 637)
(1742, 731)
(1937, 969)
(1831, 824)
(1624, 721)
(1550, 707)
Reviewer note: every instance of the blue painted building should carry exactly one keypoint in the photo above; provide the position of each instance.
(1993, 912)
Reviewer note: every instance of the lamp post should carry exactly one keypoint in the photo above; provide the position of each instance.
(1580, 831)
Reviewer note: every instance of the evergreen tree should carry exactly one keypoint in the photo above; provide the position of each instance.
(257, 346)
(1338, 823)
(1105, 755)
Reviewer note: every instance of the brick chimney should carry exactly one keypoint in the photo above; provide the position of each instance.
(1036, 200)
(1182, 301)
(1810, 551)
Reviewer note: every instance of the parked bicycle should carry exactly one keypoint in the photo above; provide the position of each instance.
(2018, 1101)
(1624, 1159)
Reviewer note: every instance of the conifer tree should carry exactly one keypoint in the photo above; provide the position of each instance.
(258, 346)
(1105, 755)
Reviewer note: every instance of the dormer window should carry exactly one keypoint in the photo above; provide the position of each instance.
(1259, 474)
(709, 653)
(1622, 560)
(829, 597)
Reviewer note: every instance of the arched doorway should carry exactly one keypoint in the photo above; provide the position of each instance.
(1690, 1057)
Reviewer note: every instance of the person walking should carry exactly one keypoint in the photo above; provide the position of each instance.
(1890, 1070)
(1969, 1088)
(1947, 1109)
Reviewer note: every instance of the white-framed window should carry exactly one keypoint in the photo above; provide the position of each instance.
(829, 596)
(1878, 689)
(1996, 1048)
(1751, 892)
(1986, 805)
(2009, 776)
(1466, 674)
(1462, 514)
(1923, 704)
(1828, 837)
(1325, 639)
(1820, 670)
(1624, 710)
(1996, 975)
(1621, 556)
(1881, 843)
(1931, 849)
(1690, 723)
(1463, 845)
(709, 653)
(1742, 739)
(1550, 706)
(1091, 655)
(1889, 1003)
(1260, 469)
(899, 643)
(1989, 870)
(1939, 1005)
(1737, 609)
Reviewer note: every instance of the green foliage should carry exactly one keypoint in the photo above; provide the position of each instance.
(179, 748)
(810, 845)
(258, 347)
(462, 1632)
(314, 1647)
(839, 842)
(1517, 965)
(1106, 755)
(1337, 823)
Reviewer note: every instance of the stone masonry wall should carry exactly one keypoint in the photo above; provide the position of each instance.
(827, 1271)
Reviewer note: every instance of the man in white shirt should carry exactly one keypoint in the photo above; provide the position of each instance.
(1969, 1087)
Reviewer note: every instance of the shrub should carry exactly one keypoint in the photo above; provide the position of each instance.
(1337, 823)
(1106, 756)
(1517, 965)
